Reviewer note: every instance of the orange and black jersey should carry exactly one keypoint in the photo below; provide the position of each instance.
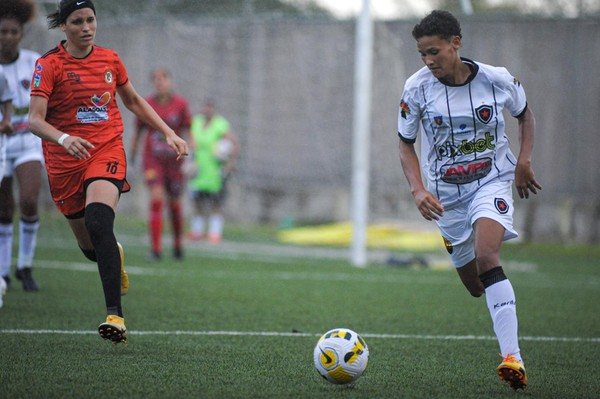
(81, 96)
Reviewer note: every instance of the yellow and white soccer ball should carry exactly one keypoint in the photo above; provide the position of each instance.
(223, 149)
(341, 356)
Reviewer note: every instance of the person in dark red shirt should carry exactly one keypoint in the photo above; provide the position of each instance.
(74, 110)
(162, 170)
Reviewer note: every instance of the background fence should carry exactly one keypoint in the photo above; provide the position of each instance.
(286, 85)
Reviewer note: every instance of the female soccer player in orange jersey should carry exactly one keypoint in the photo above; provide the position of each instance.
(74, 110)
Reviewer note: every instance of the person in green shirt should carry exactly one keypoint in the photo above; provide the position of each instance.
(215, 151)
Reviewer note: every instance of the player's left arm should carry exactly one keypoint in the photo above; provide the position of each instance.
(525, 180)
(230, 165)
(140, 107)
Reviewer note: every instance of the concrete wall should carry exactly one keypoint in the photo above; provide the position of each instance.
(286, 86)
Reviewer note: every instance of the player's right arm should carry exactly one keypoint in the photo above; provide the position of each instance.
(429, 206)
(5, 125)
(75, 146)
(135, 140)
(140, 108)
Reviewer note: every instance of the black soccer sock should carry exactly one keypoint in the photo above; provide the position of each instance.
(90, 254)
(99, 221)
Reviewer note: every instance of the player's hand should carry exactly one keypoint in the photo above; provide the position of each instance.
(6, 128)
(525, 180)
(77, 147)
(179, 145)
(430, 207)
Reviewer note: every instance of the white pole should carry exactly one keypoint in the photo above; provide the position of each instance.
(467, 7)
(360, 143)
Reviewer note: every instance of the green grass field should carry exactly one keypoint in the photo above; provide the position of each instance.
(242, 323)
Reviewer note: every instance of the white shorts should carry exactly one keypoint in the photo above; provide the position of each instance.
(493, 201)
(21, 148)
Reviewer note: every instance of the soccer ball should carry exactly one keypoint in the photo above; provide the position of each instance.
(223, 149)
(341, 356)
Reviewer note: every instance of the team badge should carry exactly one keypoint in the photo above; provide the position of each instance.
(438, 120)
(108, 76)
(448, 245)
(501, 205)
(404, 110)
(26, 84)
(484, 113)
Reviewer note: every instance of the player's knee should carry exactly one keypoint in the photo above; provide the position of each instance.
(486, 260)
(28, 207)
(99, 219)
(90, 254)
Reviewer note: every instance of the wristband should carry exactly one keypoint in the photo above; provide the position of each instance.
(62, 138)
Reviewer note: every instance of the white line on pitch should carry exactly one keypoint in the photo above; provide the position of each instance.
(301, 334)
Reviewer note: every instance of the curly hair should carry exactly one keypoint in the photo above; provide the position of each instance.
(21, 10)
(438, 23)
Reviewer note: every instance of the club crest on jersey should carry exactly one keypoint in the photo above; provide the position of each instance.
(404, 110)
(26, 84)
(438, 120)
(484, 113)
(108, 76)
(501, 205)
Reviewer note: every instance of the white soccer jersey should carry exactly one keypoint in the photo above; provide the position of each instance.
(465, 145)
(6, 93)
(19, 74)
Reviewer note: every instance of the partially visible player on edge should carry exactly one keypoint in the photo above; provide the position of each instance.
(6, 97)
(162, 170)
(469, 168)
(23, 150)
(215, 150)
(74, 110)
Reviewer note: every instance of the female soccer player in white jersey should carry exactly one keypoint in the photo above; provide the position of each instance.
(468, 167)
(23, 148)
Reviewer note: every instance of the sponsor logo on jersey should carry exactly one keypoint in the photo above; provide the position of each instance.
(37, 78)
(97, 113)
(102, 100)
(404, 110)
(484, 113)
(466, 147)
(501, 205)
(516, 82)
(466, 172)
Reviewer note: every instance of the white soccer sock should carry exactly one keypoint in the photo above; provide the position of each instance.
(6, 236)
(197, 224)
(216, 224)
(500, 298)
(27, 239)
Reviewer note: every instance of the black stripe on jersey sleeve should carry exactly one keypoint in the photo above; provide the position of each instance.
(49, 52)
(522, 112)
(406, 140)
